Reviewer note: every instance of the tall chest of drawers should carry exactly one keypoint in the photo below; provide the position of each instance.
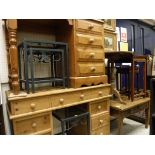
(86, 52)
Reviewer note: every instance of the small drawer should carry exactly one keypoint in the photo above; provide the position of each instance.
(89, 40)
(89, 26)
(32, 124)
(29, 105)
(100, 120)
(97, 93)
(91, 69)
(92, 54)
(63, 99)
(105, 130)
(99, 106)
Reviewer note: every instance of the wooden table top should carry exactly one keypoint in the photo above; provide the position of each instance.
(121, 107)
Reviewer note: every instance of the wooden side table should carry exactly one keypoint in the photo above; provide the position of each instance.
(121, 111)
(143, 60)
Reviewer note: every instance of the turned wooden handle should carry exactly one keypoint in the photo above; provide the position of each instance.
(34, 125)
(61, 100)
(33, 105)
(91, 40)
(100, 93)
(90, 26)
(92, 55)
(92, 69)
(82, 96)
(99, 107)
(101, 121)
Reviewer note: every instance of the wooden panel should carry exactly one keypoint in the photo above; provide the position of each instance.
(90, 69)
(99, 106)
(89, 39)
(91, 54)
(105, 130)
(100, 120)
(32, 124)
(89, 26)
(29, 105)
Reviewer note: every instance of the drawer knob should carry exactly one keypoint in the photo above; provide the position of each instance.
(101, 121)
(92, 69)
(61, 100)
(99, 107)
(34, 125)
(33, 105)
(82, 96)
(101, 133)
(92, 55)
(91, 26)
(100, 93)
(91, 40)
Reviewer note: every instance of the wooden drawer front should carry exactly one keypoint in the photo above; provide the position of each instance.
(91, 69)
(105, 130)
(90, 53)
(89, 39)
(60, 100)
(96, 93)
(89, 26)
(30, 105)
(100, 120)
(99, 106)
(32, 125)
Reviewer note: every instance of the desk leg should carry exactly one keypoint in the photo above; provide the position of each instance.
(120, 124)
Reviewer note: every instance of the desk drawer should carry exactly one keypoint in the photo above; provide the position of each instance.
(89, 39)
(29, 105)
(32, 124)
(89, 26)
(85, 69)
(105, 130)
(99, 106)
(75, 97)
(100, 120)
(92, 54)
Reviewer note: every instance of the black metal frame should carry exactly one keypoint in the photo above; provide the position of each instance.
(29, 48)
(66, 120)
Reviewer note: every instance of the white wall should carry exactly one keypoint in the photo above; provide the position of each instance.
(3, 75)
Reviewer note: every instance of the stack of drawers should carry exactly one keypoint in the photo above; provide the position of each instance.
(88, 54)
(99, 117)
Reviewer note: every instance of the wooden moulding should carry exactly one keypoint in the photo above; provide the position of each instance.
(77, 82)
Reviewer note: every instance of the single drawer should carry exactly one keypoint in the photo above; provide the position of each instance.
(63, 99)
(99, 106)
(87, 53)
(89, 40)
(89, 26)
(29, 105)
(85, 69)
(105, 130)
(100, 120)
(32, 124)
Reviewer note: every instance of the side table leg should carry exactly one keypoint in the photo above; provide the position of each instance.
(120, 124)
(147, 118)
